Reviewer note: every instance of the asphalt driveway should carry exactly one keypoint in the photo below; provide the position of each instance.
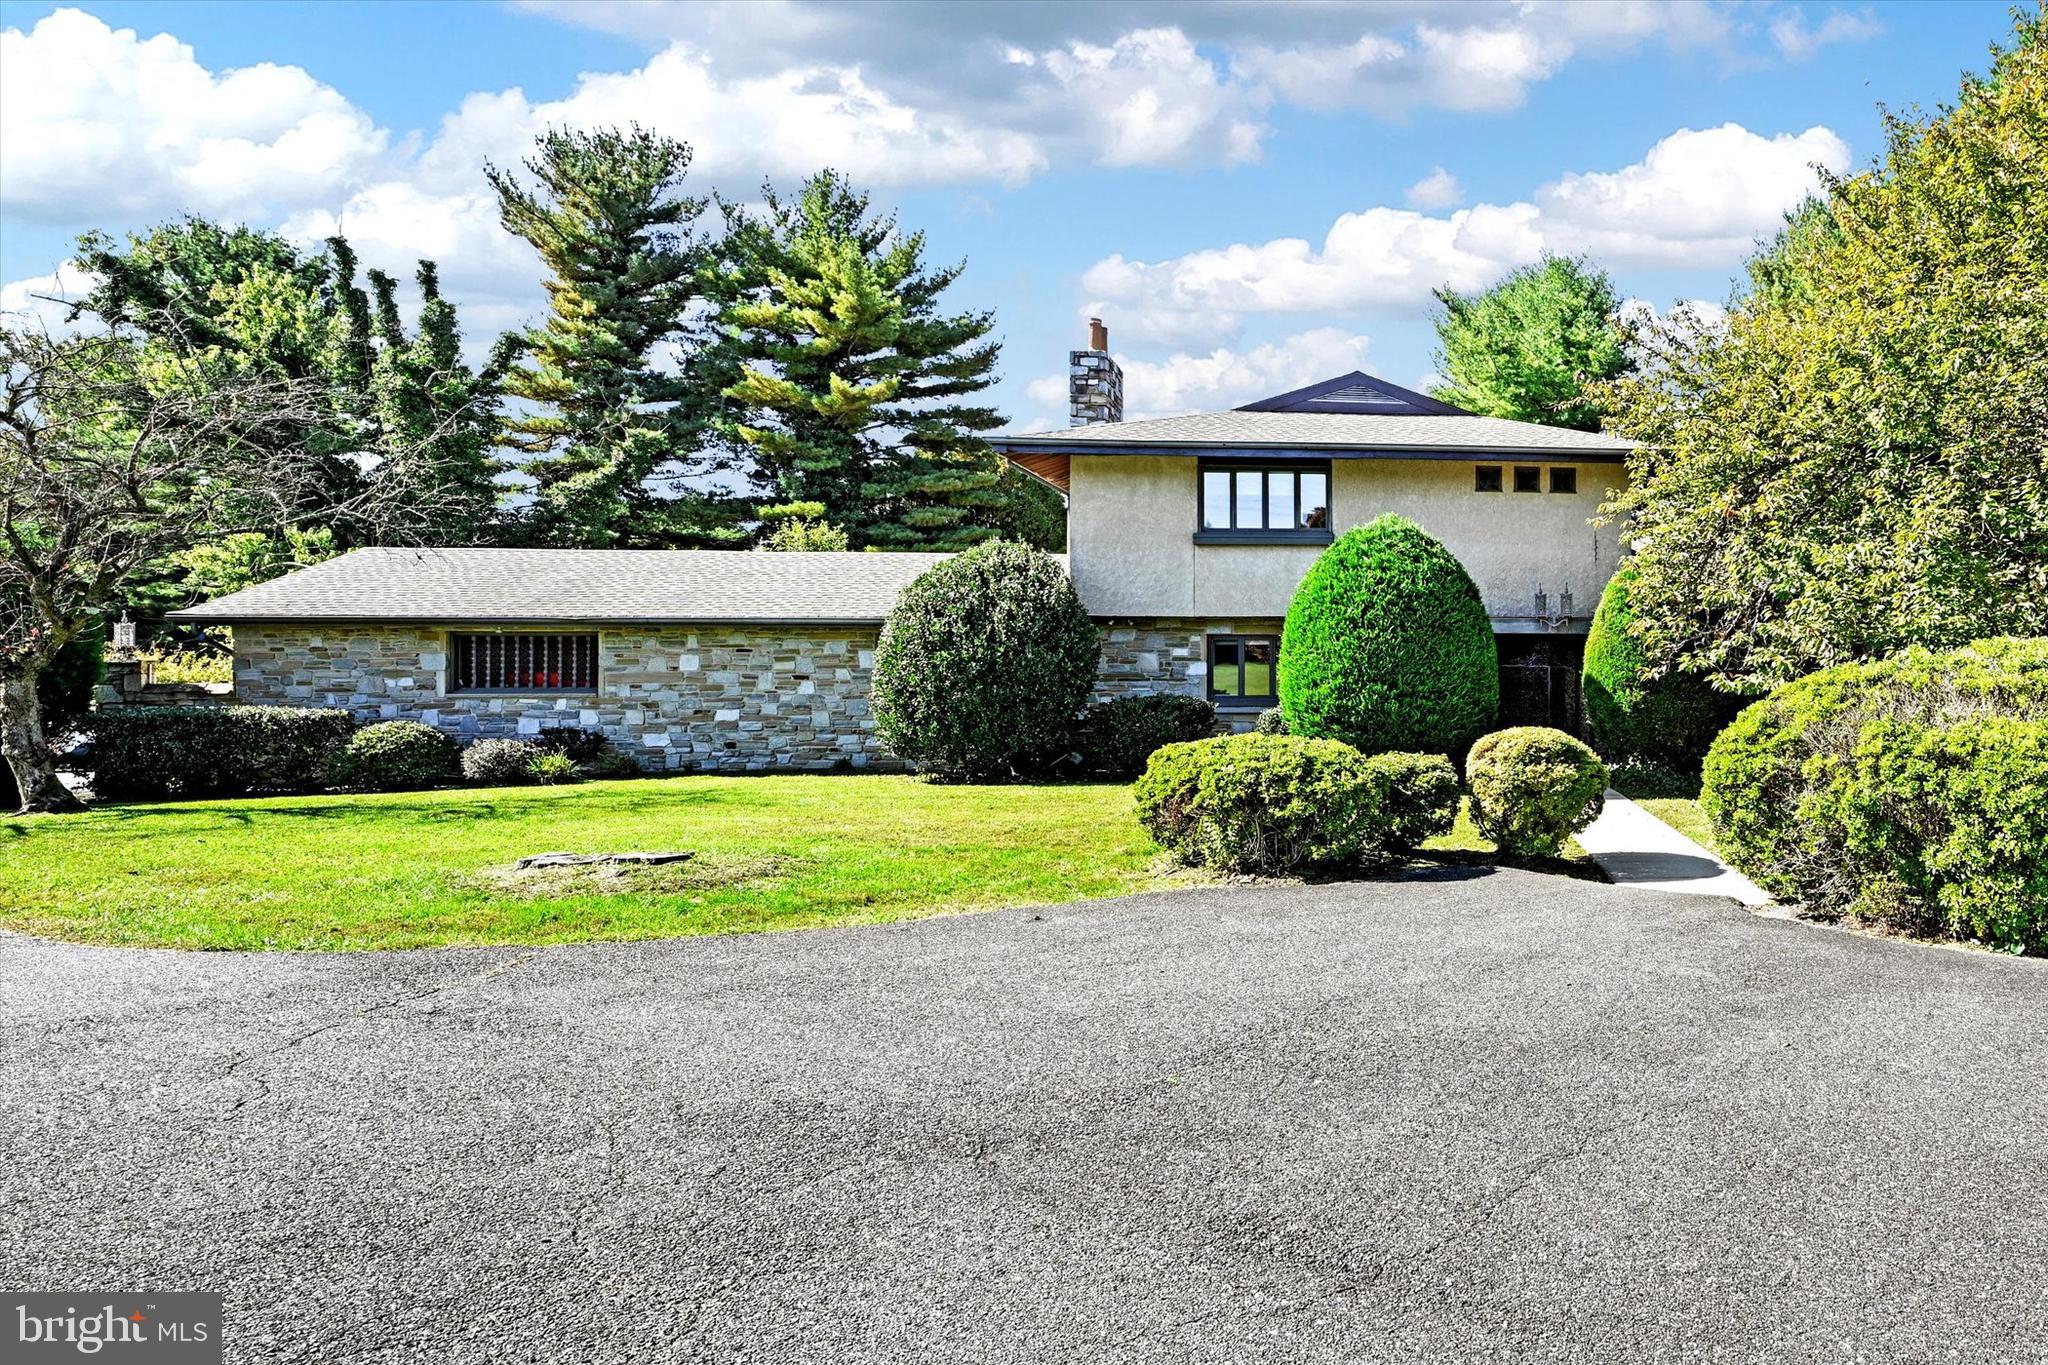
(1469, 1116)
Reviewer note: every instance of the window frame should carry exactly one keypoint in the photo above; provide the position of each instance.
(1480, 471)
(1262, 535)
(1535, 471)
(1571, 472)
(1239, 701)
(454, 686)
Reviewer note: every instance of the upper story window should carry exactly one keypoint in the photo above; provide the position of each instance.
(523, 662)
(1528, 478)
(1564, 480)
(1486, 478)
(1244, 501)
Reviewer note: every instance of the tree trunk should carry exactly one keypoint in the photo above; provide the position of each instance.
(27, 752)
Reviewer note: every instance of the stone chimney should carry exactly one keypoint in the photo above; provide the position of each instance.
(1095, 383)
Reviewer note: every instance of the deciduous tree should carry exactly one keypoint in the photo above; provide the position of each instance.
(1532, 347)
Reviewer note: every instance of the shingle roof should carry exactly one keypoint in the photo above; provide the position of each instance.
(590, 586)
(1325, 431)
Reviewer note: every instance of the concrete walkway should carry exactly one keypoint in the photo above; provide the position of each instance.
(1635, 848)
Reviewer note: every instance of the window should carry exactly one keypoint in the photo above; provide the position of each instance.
(1252, 502)
(1564, 480)
(1486, 478)
(518, 662)
(1242, 670)
(1528, 479)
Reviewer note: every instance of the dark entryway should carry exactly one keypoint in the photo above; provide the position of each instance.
(1539, 680)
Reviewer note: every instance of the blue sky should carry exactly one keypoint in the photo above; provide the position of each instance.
(1253, 196)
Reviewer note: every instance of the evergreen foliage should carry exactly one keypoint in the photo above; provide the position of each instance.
(617, 236)
(1388, 646)
(1533, 788)
(150, 752)
(1264, 804)
(1116, 737)
(1911, 791)
(1530, 347)
(1633, 712)
(848, 385)
(799, 526)
(983, 664)
(1857, 460)
(394, 755)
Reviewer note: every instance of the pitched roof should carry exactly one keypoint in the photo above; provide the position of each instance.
(620, 587)
(1353, 412)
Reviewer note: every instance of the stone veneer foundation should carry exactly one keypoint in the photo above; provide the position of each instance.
(1168, 655)
(708, 699)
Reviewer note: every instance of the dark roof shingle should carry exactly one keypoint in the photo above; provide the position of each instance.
(456, 586)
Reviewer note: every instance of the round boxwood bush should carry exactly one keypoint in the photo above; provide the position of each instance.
(1115, 737)
(1387, 645)
(1910, 791)
(394, 755)
(1417, 796)
(1271, 721)
(1262, 803)
(1668, 720)
(983, 664)
(500, 762)
(1534, 787)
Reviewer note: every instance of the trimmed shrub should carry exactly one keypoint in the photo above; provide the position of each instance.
(582, 746)
(1387, 645)
(1533, 788)
(1262, 803)
(551, 768)
(1911, 792)
(613, 763)
(394, 755)
(984, 663)
(1668, 720)
(1271, 721)
(1116, 737)
(500, 762)
(148, 753)
(1417, 796)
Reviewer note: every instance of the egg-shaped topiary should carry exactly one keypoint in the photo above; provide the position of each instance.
(1669, 718)
(1388, 646)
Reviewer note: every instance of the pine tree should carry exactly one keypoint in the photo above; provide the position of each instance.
(1532, 347)
(436, 419)
(848, 386)
(615, 233)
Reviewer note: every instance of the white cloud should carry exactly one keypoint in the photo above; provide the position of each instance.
(1797, 41)
(1698, 199)
(97, 122)
(1223, 377)
(1437, 190)
(42, 301)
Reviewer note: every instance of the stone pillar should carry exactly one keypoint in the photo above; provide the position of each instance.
(1095, 383)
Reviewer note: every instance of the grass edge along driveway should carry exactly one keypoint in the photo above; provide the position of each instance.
(420, 869)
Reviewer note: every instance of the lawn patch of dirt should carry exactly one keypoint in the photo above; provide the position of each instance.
(705, 872)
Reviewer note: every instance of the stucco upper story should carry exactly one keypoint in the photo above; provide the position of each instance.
(1220, 514)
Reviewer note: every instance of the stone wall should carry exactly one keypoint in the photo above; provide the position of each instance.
(721, 698)
(1156, 655)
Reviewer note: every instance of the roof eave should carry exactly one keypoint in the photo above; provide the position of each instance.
(449, 621)
(1052, 445)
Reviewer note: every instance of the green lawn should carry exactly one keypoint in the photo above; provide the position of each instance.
(1672, 797)
(1685, 816)
(419, 868)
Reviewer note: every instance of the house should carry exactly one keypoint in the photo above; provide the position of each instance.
(1186, 537)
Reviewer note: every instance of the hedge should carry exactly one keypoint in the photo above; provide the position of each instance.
(144, 753)
(1664, 720)
(1911, 792)
(1264, 803)
(1387, 645)
(1115, 737)
(501, 762)
(394, 755)
(983, 664)
(1417, 795)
